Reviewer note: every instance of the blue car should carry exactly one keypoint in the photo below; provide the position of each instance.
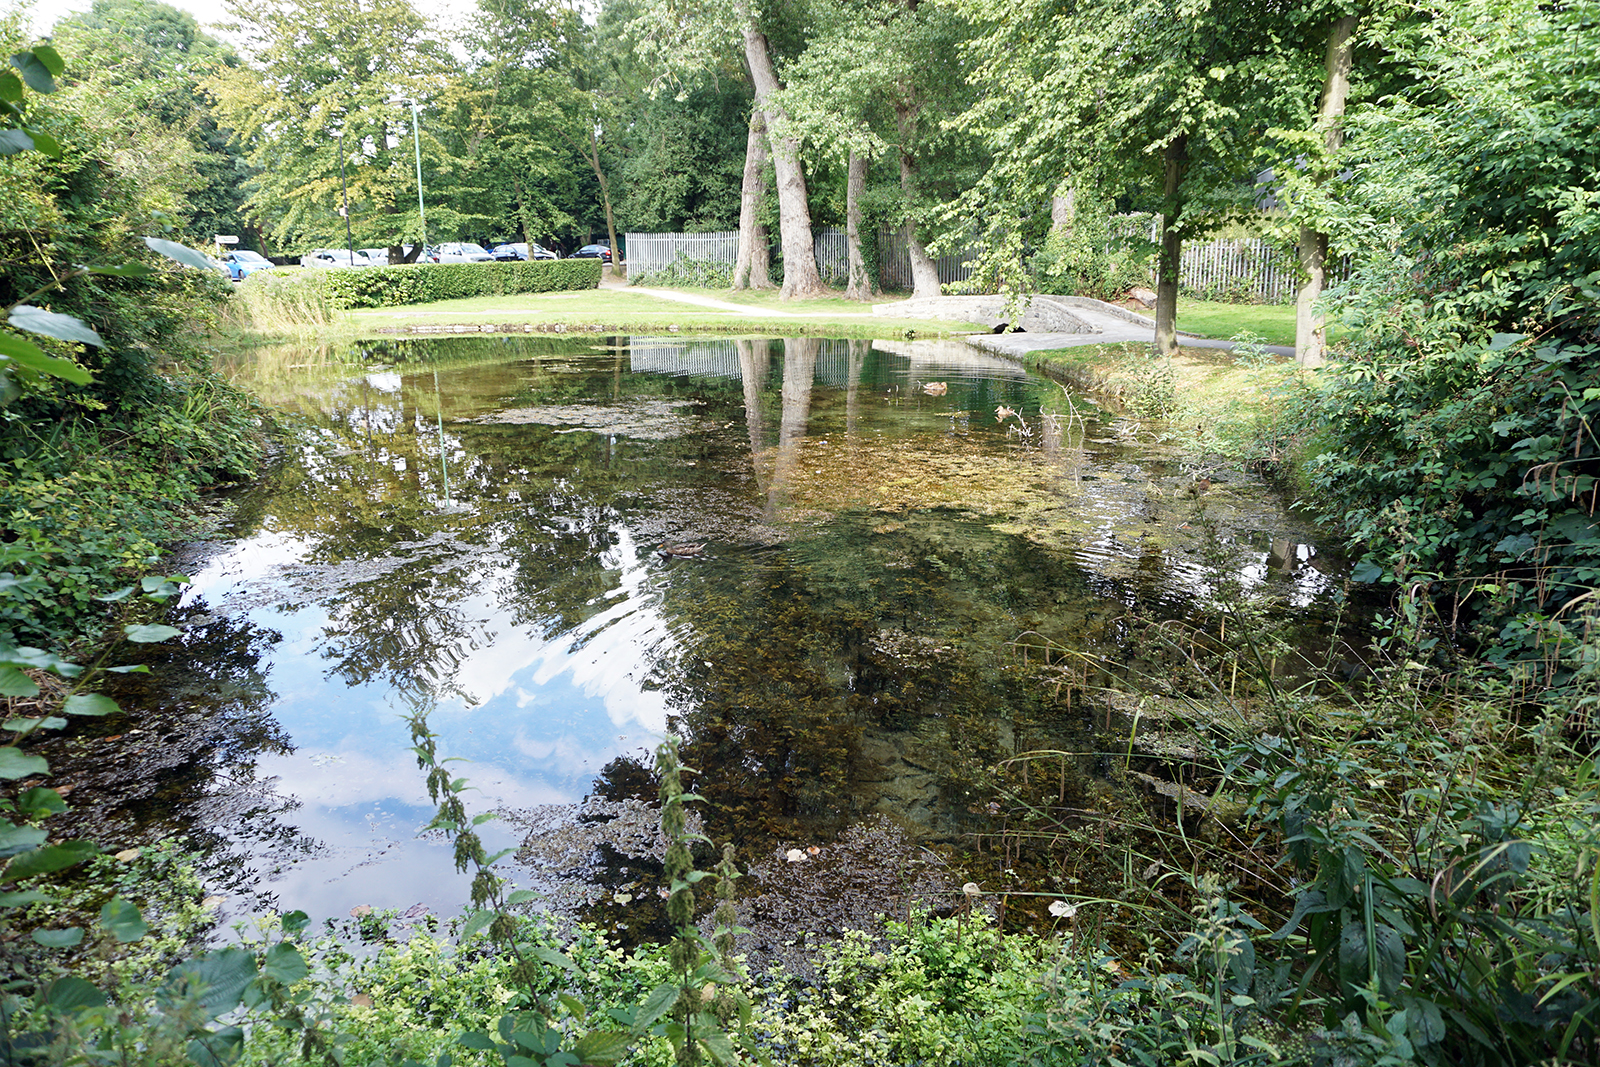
(242, 263)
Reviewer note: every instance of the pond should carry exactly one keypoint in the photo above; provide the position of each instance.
(888, 568)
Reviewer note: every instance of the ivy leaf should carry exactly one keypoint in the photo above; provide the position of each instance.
(15, 839)
(43, 142)
(174, 251)
(123, 920)
(50, 58)
(91, 704)
(26, 896)
(17, 764)
(22, 726)
(39, 802)
(1366, 571)
(54, 324)
(27, 354)
(149, 635)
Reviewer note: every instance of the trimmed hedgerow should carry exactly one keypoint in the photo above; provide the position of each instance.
(422, 283)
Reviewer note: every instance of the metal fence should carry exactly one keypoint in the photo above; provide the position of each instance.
(894, 260)
(1249, 269)
(653, 251)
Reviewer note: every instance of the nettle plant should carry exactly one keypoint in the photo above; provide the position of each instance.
(703, 1011)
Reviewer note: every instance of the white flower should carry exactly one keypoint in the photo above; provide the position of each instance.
(794, 855)
(1062, 910)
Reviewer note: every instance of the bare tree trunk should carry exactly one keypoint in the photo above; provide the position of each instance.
(1310, 327)
(1176, 156)
(800, 276)
(860, 286)
(750, 269)
(1063, 208)
(924, 271)
(590, 149)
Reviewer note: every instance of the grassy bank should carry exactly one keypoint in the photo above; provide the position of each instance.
(612, 309)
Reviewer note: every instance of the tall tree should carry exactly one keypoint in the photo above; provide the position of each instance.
(143, 61)
(326, 67)
(687, 39)
(880, 79)
(1162, 99)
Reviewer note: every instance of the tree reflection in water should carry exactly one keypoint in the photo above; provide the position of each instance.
(840, 649)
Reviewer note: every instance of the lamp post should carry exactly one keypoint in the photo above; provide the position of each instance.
(416, 138)
(344, 203)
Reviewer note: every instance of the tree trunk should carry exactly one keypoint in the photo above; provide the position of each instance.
(1063, 209)
(750, 268)
(924, 271)
(800, 276)
(605, 198)
(1310, 328)
(1176, 157)
(860, 286)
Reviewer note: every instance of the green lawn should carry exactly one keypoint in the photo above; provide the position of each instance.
(1274, 322)
(628, 309)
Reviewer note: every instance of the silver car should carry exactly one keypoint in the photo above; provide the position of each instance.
(334, 257)
(464, 252)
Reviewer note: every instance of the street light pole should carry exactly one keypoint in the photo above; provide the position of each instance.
(416, 138)
(344, 198)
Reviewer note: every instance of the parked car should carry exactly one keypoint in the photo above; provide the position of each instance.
(463, 252)
(241, 263)
(333, 257)
(378, 257)
(600, 251)
(520, 250)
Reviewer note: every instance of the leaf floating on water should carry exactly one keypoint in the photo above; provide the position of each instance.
(361, 911)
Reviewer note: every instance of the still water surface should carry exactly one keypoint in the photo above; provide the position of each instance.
(474, 526)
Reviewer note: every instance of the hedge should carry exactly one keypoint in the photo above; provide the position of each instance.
(423, 283)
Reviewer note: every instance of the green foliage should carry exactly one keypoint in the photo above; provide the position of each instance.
(687, 273)
(1084, 260)
(417, 283)
(1460, 427)
(934, 991)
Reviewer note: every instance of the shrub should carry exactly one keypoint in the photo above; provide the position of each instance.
(416, 283)
(688, 273)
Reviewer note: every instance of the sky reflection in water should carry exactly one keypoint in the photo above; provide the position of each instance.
(526, 604)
